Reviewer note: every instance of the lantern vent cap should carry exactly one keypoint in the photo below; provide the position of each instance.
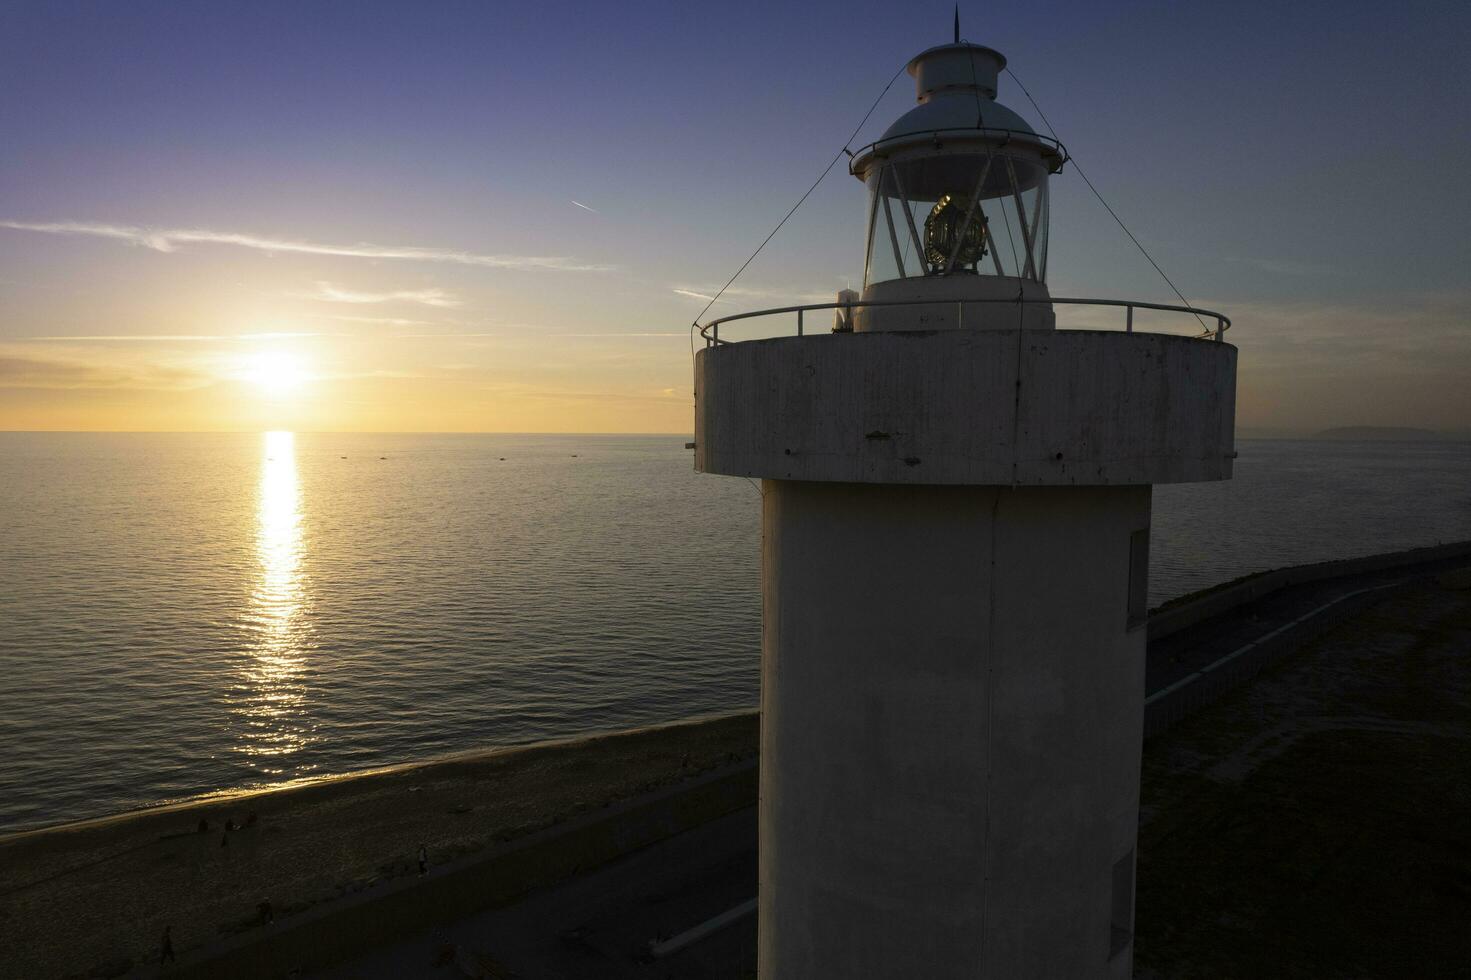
(963, 66)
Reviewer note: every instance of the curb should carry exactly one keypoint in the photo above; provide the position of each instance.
(1224, 600)
(1170, 705)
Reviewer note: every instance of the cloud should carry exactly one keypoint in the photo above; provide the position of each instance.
(169, 240)
(27, 372)
(1284, 267)
(675, 333)
(380, 373)
(328, 293)
(169, 337)
(1429, 331)
(392, 321)
(446, 336)
(1311, 365)
(521, 390)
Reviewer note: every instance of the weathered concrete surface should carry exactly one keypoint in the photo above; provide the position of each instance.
(952, 689)
(951, 719)
(975, 407)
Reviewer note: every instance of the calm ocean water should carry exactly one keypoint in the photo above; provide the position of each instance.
(187, 613)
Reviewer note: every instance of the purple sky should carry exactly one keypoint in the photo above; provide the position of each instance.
(1303, 172)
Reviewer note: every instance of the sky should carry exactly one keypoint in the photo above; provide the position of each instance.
(503, 217)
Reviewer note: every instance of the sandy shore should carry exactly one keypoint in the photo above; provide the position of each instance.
(92, 898)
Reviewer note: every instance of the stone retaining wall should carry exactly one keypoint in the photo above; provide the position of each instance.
(1216, 602)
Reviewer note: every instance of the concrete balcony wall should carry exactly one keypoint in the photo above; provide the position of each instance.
(1028, 407)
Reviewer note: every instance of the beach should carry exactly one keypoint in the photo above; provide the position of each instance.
(93, 898)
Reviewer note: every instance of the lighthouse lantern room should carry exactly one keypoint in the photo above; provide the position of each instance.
(957, 202)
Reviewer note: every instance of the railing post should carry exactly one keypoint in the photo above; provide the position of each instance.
(799, 323)
(715, 332)
(1220, 329)
(960, 314)
(1129, 325)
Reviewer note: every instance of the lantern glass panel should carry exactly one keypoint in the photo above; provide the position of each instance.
(925, 219)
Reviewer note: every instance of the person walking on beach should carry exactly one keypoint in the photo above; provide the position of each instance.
(423, 859)
(166, 952)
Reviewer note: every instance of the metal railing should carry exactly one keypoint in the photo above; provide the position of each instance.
(711, 330)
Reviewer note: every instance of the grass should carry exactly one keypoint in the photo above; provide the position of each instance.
(1314, 823)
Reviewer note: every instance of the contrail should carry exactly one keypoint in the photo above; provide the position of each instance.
(585, 207)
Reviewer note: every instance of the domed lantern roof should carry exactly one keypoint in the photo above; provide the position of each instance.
(956, 87)
(957, 186)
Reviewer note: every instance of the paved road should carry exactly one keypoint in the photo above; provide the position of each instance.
(598, 925)
(1176, 656)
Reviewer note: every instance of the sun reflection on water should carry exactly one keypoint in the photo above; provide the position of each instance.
(273, 706)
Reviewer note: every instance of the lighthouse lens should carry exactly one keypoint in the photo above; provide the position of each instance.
(947, 235)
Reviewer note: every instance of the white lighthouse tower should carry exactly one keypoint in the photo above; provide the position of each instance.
(955, 540)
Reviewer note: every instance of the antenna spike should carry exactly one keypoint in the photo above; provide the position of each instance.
(957, 23)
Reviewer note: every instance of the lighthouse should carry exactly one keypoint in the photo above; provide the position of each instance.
(955, 548)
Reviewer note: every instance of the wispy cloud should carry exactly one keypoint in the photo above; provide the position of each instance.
(27, 372)
(391, 321)
(1284, 267)
(170, 239)
(446, 336)
(170, 337)
(521, 390)
(330, 293)
(1428, 334)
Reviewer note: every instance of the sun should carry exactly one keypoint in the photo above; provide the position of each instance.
(275, 372)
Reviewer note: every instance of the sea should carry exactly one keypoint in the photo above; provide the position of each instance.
(186, 614)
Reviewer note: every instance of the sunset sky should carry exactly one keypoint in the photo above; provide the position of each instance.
(502, 217)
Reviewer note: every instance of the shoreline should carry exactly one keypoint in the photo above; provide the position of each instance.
(1214, 599)
(93, 896)
(224, 797)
